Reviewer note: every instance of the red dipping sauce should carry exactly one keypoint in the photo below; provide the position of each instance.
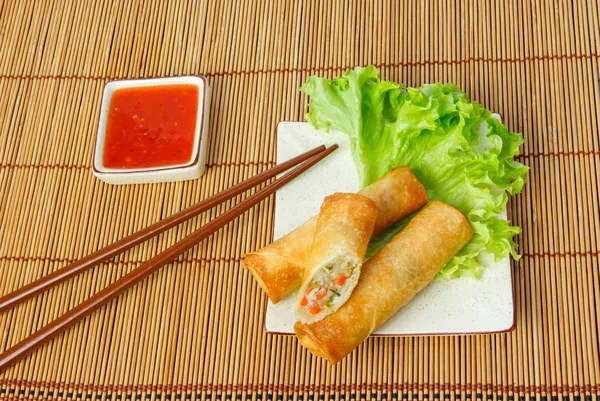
(151, 126)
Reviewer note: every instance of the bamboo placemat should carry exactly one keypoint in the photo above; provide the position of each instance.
(195, 330)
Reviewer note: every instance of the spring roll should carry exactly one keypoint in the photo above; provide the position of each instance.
(279, 267)
(389, 280)
(344, 227)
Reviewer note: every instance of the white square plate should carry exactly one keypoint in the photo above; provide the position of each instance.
(461, 306)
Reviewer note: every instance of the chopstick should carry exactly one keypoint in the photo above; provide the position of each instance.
(110, 251)
(57, 326)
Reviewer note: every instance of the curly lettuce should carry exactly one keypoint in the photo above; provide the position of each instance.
(456, 148)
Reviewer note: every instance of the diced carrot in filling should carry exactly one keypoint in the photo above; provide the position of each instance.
(322, 293)
(304, 301)
(316, 308)
(341, 279)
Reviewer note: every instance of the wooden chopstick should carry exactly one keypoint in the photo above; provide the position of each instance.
(110, 251)
(23, 348)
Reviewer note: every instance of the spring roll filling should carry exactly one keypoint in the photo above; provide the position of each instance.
(328, 285)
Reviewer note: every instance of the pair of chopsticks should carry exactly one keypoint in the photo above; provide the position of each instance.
(21, 349)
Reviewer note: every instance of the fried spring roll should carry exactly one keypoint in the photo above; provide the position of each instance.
(389, 280)
(344, 228)
(279, 267)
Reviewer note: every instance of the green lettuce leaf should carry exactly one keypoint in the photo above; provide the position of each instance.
(456, 148)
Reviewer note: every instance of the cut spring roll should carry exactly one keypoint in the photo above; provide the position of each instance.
(344, 227)
(279, 267)
(389, 280)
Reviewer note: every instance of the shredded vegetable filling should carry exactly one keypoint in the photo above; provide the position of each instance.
(323, 290)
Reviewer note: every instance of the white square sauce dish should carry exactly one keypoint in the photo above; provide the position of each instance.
(152, 130)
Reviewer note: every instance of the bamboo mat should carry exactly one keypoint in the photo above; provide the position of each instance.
(195, 330)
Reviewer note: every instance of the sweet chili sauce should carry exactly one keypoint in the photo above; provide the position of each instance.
(151, 126)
